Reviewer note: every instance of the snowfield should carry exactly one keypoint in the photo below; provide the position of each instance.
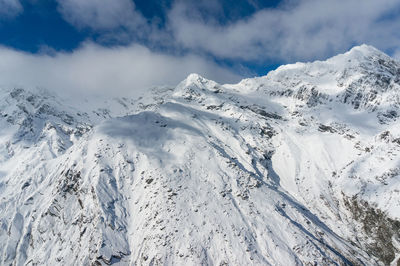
(299, 167)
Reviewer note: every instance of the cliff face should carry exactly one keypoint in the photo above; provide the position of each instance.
(299, 166)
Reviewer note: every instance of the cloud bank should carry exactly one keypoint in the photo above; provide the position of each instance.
(110, 71)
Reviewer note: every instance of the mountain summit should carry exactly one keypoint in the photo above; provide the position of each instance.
(301, 166)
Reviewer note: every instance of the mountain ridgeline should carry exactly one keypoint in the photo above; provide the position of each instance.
(298, 167)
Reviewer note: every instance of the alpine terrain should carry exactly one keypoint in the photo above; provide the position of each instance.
(298, 167)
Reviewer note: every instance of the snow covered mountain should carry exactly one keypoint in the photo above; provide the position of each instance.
(301, 166)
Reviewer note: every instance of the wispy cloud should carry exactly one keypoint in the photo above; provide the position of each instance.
(396, 55)
(95, 69)
(100, 14)
(10, 8)
(295, 30)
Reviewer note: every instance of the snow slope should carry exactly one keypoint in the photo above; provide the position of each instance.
(301, 166)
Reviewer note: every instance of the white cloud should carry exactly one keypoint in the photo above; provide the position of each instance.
(100, 14)
(96, 69)
(10, 8)
(396, 55)
(296, 30)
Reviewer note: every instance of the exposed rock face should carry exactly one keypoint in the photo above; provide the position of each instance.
(298, 167)
(379, 229)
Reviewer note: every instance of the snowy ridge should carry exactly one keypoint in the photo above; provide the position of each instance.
(300, 166)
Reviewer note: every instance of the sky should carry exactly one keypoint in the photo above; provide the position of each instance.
(117, 46)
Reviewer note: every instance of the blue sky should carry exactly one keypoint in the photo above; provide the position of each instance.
(142, 43)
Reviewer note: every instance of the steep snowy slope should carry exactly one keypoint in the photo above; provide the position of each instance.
(300, 166)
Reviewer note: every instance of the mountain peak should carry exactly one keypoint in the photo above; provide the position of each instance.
(360, 53)
(366, 50)
(363, 77)
(194, 82)
(355, 55)
(194, 78)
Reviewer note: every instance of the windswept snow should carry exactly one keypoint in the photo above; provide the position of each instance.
(301, 166)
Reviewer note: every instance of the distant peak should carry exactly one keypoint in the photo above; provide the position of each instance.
(357, 54)
(364, 49)
(193, 77)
